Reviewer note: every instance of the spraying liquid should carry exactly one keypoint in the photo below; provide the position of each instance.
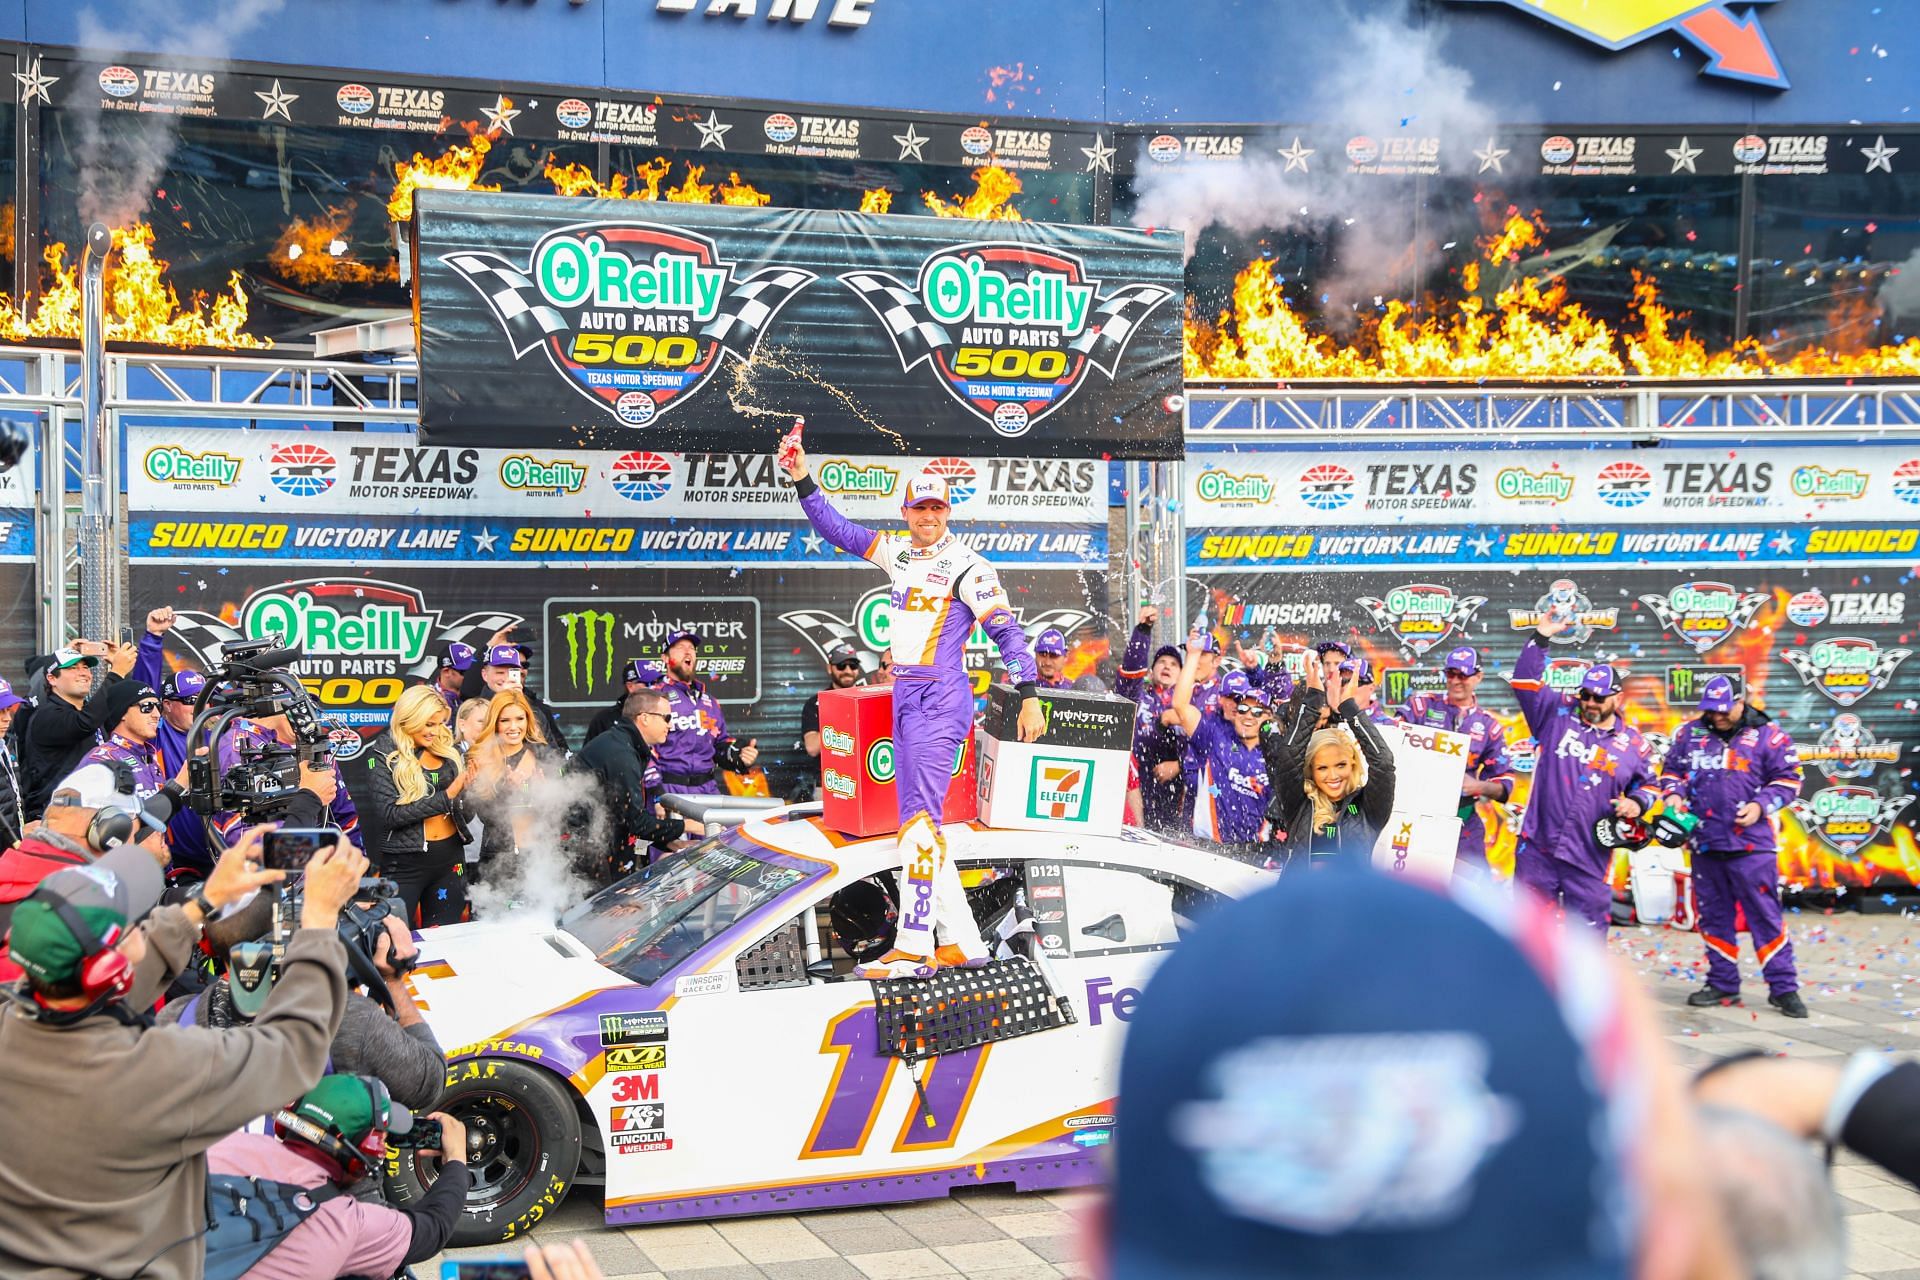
(740, 392)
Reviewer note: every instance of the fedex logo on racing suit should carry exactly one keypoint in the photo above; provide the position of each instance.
(1592, 754)
(1722, 760)
(1101, 1001)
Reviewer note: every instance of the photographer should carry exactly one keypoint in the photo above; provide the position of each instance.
(64, 725)
(83, 1191)
(64, 838)
(397, 1049)
(332, 1138)
(415, 778)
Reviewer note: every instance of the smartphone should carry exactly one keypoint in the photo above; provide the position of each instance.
(291, 848)
(499, 1269)
(424, 1136)
(126, 635)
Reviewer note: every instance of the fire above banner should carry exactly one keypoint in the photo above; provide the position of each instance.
(575, 324)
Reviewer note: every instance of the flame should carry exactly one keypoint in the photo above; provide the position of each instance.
(140, 305)
(993, 189)
(317, 251)
(6, 231)
(1012, 80)
(578, 180)
(734, 191)
(1527, 330)
(878, 200)
(458, 169)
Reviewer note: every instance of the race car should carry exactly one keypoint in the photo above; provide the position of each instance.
(691, 1039)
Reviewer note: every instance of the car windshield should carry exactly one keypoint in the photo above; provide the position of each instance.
(645, 925)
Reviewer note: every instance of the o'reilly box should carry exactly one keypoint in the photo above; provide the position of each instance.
(1074, 778)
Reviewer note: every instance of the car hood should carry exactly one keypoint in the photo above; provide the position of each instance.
(483, 982)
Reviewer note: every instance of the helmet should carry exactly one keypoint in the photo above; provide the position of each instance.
(864, 919)
(1615, 832)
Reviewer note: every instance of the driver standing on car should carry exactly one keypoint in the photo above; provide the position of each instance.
(941, 587)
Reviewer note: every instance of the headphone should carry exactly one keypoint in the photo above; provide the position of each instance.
(105, 974)
(354, 1159)
(115, 825)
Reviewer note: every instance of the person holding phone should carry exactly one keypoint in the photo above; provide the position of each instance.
(67, 722)
(415, 777)
(505, 667)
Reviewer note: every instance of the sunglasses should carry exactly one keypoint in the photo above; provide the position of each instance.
(1588, 695)
(1454, 673)
(149, 706)
(661, 715)
(846, 666)
(1251, 709)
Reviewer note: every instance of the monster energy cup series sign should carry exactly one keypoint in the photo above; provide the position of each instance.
(548, 322)
(591, 639)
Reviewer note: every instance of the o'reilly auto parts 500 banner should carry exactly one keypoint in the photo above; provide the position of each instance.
(1787, 570)
(562, 322)
(377, 553)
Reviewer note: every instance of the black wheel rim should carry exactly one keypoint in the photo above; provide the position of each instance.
(503, 1149)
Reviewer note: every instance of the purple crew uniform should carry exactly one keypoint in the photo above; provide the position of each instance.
(1155, 742)
(939, 593)
(143, 759)
(1230, 793)
(230, 824)
(1716, 773)
(1487, 760)
(688, 758)
(1578, 773)
(186, 830)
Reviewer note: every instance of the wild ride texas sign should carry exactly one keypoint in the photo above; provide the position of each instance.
(554, 322)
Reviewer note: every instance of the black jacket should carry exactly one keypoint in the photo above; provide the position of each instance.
(57, 736)
(474, 685)
(618, 759)
(604, 719)
(496, 811)
(394, 828)
(1363, 814)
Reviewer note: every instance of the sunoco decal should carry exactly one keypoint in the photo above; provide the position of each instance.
(1565, 594)
(635, 317)
(1848, 750)
(1735, 45)
(1705, 613)
(1011, 330)
(1421, 614)
(1847, 819)
(1846, 669)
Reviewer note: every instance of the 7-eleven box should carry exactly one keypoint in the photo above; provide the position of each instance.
(856, 765)
(1073, 779)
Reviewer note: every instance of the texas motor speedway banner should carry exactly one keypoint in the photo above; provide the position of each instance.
(572, 323)
(374, 553)
(1789, 570)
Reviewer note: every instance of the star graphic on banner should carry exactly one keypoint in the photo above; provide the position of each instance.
(1683, 157)
(1782, 542)
(1099, 155)
(1879, 155)
(1296, 156)
(33, 84)
(812, 542)
(1481, 544)
(712, 132)
(1491, 155)
(910, 143)
(483, 542)
(500, 115)
(277, 102)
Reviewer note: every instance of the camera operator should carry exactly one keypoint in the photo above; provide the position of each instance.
(322, 1145)
(63, 726)
(65, 837)
(619, 759)
(321, 799)
(83, 1190)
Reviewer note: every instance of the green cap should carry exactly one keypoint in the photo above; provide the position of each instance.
(108, 895)
(346, 1105)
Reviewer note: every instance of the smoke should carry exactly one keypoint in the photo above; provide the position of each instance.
(1389, 81)
(120, 163)
(540, 882)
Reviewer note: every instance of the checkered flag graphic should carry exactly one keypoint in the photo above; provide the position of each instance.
(827, 631)
(916, 334)
(749, 305)
(475, 629)
(1114, 322)
(514, 299)
(203, 634)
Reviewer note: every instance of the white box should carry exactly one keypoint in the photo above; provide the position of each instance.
(1429, 765)
(1039, 787)
(1422, 846)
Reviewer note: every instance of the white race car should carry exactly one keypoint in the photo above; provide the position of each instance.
(692, 1039)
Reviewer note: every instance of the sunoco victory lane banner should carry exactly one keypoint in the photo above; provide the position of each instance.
(1798, 585)
(569, 323)
(374, 553)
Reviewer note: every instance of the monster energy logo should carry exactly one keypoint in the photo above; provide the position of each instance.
(1685, 683)
(595, 628)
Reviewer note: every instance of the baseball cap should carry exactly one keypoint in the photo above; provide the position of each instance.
(458, 656)
(1258, 695)
(1718, 695)
(841, 654)
(1470, 1123)
(926, 487)
(8, 698)
(1601, 679)
(109, 894)
(1465, 658)
(64, 658)
(1331, 646)
(101, 786)
(183, 686)
(350, 1107)
(1234, 684)
(506, 655)
(1050, 641)
(1279, 685)
(1359, 668)
(676, 637)
(1167, 651)
(643, 670)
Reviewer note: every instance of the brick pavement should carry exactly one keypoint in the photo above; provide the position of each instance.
(1861, 976)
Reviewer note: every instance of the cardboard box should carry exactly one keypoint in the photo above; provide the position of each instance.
(856, 765)
(1073, 779)
(1428, 767)
(1418, 845)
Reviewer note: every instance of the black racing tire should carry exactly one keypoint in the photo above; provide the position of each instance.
(523, 1136)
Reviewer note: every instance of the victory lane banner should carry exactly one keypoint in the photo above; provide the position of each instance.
(592, 324)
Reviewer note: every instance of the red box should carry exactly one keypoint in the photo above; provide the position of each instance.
(856, 765)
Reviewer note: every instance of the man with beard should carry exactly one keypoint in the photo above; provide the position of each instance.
(1489, 773)
(697, 744)
(843, 672)
(1591, 765)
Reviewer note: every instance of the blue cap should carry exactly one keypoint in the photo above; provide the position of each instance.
(1362, 1123)
(1333, 646)
(1601, 679)
(1464, 658)
(1234, 684)
(459, 657)
(1209, 642)
(506, 655)
(1279, 684)
(8, 698)
(1254, 694)
(1050, 641)
(182, 686)
(1718, 695)
(1359, 668)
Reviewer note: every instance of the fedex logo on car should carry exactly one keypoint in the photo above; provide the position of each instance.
(1102, 1000)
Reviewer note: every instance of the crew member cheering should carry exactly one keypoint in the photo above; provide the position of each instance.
(1230, 771)
(941, 587)
(697, 738)
(1590, 763)
(1489, 773)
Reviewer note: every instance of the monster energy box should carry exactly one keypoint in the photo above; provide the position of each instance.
(1075, 718)
(1074, 778)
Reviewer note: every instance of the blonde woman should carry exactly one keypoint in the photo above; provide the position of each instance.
(415, 778)
(510, 757)
(470, 721)
(1332, 787)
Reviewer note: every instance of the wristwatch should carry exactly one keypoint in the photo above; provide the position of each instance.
(198, 898)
